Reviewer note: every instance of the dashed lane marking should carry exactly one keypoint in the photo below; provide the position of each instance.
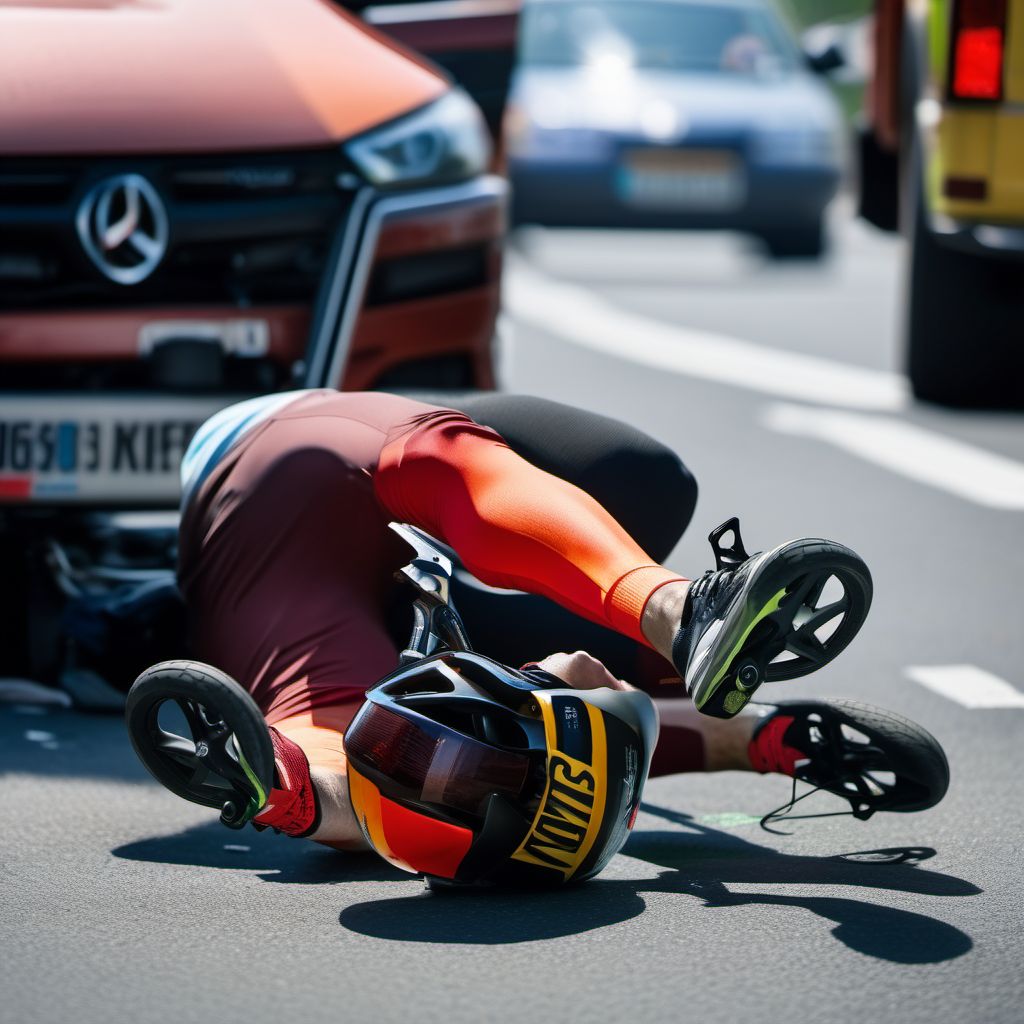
(922, 455)
(968, 685)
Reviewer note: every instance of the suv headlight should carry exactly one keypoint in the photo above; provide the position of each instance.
(444, 142)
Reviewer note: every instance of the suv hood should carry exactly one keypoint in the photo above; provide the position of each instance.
(172, 76)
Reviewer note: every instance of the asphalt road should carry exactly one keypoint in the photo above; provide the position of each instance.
(122, 902)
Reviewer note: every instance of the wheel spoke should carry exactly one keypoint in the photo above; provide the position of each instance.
(826, 614)
(177, 748)
(798, 604)
(195, 720)
(200, 775)
(869, 758)
(808, 590)
(815, 589)
(805, 644)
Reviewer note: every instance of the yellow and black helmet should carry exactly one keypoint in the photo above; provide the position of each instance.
(467, 771)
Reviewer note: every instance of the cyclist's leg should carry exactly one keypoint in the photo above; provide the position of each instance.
(514, 627)
(515, 525)
(641, 482)
(652, 494)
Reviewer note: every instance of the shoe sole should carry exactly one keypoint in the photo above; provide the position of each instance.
(714, 686)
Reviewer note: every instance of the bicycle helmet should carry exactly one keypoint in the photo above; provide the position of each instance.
(467, 771)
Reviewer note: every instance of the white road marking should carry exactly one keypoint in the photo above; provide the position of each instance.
(38, 736)
(934, 459)
(968, 685)
(581, 316)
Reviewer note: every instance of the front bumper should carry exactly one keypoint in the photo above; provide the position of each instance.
(411, 277)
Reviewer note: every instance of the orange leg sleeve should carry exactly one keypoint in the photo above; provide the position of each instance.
(514, 525)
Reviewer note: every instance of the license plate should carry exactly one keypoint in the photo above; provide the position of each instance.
(682, 179)
(96, 450)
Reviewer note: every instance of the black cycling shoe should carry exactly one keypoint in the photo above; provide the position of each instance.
(227, 762)
(873, 758)
(758, 619)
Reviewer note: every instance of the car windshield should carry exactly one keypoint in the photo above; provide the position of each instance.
(658, 35)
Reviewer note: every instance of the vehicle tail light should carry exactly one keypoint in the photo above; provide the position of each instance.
(979, 35)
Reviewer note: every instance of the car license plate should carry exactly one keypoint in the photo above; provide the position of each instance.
(703, 180)
(55, 448)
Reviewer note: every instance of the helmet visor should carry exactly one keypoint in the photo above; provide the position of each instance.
(431, 763)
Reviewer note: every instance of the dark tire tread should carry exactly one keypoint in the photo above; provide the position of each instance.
(214, 689)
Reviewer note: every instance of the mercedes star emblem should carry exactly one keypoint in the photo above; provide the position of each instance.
(122, 225)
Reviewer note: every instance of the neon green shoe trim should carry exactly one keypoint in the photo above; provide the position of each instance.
(255, 803)
(734, 701)
(772, 606)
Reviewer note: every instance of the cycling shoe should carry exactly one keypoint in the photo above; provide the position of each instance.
(775, 615)
(227, 762)
(873, 758)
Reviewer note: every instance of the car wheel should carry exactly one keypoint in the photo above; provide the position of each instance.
(965, 345)
(804, 241)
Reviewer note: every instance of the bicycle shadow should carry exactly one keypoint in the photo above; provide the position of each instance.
(700, 864)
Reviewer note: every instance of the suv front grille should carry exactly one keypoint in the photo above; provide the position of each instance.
(242, 230)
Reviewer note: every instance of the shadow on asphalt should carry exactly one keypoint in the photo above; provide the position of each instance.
(273, 858)
(701, 862)
(705, 859)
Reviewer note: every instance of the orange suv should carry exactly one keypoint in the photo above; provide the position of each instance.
(203, 201)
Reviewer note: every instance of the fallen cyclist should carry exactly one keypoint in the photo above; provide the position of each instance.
(456, 765)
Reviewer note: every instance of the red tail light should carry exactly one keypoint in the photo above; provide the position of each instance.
(979, 35)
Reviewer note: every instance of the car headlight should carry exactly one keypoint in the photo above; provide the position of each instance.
(444, 142)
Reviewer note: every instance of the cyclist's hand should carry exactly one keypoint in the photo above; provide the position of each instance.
(581, 671)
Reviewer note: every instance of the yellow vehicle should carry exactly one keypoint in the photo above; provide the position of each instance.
(942, 157)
